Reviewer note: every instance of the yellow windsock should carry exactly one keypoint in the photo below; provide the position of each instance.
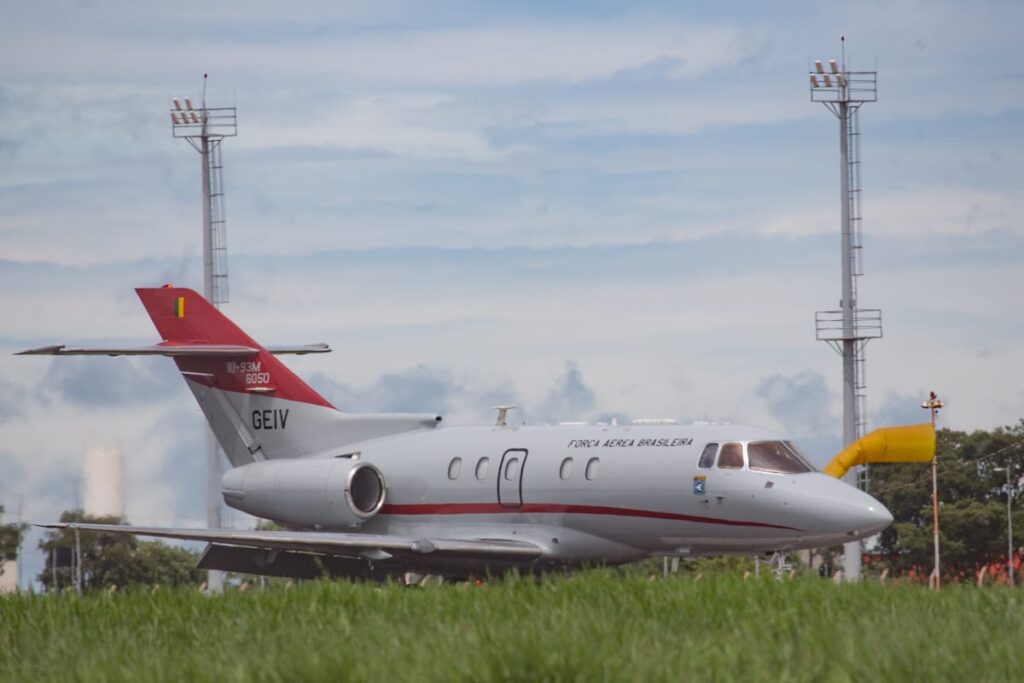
(913, 443)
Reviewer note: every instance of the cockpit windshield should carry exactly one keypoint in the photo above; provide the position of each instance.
(800, 455)
(776, 456)
(731, 456)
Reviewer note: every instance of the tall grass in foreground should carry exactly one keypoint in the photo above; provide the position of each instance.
(598, 625)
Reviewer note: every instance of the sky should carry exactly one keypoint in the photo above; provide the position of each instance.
(590, 210)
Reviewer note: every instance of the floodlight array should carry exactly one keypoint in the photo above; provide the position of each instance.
(189, 121)
(837, 84)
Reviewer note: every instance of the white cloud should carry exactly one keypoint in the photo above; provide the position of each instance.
(921, 212)
(568, 52)
(397, 124)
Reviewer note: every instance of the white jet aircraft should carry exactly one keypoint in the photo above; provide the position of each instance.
(378, 496)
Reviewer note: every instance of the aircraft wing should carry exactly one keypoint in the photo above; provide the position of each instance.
(204, 350)
(330, 543)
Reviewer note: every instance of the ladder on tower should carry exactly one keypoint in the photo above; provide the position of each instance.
(854, 193)
(856, 256)
(853, 200)
(218, 225)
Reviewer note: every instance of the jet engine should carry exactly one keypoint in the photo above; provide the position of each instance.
(317, 493)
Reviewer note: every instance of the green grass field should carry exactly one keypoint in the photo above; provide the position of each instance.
(598, 625)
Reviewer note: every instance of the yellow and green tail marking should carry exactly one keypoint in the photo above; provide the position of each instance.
(179, 307)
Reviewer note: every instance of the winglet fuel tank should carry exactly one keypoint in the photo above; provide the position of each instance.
(913, 443)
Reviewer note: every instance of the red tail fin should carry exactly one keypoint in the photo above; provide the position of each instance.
(183, 317)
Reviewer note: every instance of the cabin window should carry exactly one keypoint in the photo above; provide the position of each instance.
(511, 469)
(565, 471)
(731, 457)
(707, 458)
(775, 456)
(455, 468)
(591, 470)
(481, 467)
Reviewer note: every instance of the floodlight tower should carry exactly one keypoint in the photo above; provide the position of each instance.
(848, 329)
(205, 129)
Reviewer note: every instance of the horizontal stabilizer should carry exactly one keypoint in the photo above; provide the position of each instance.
(299, 350)
(172, 350)
(347, 545)
(258, 409)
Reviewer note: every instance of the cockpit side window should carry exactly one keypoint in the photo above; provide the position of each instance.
(731, 457)
(776, 456)
(707, 457)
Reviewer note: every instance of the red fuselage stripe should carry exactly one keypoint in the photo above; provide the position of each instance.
(494, 508)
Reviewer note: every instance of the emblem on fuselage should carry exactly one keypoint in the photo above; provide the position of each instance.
(699, 486)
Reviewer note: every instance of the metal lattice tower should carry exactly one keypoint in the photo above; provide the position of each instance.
(218, 238)
(850, 328)
(205, 129)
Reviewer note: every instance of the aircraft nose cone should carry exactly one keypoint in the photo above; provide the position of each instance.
(859, 514)
(876, 517)
(845, 511)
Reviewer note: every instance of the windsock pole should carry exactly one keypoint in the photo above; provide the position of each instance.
(933, 404)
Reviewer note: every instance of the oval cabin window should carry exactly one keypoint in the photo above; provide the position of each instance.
(481, 467)
(591, 470)
(455, 468)
(511, 468)
(565, 471)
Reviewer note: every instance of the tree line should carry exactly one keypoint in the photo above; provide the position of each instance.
(972, 494)
(112, 560)
(10, 540)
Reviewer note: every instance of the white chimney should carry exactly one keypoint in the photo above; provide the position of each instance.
(104, 481)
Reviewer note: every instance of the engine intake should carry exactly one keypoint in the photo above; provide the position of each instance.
(364, 490)
(320, 493)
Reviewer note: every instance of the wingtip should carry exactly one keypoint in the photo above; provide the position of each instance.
(51, 350)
